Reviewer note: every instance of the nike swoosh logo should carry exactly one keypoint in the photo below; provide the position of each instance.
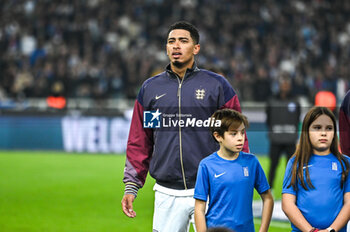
(308, 166)
(216, 176)
(157, 97)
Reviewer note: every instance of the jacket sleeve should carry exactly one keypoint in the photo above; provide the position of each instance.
(232, 102)
(138, 152)
(344, 125)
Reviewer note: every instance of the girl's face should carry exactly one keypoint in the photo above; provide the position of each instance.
(321, 133)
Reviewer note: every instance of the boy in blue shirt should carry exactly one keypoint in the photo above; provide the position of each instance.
(316, 186)
(227, 179)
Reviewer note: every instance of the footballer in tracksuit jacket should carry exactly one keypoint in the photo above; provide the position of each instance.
(344, 125)
(172, 153)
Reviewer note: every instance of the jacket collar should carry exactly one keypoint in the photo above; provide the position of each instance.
(189, 71)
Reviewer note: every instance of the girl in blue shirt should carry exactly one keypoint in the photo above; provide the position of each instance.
(316, 187)
(227, 179)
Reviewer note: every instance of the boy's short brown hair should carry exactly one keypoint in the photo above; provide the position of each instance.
(230, 120)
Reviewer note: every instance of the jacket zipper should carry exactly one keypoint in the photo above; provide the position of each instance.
(180, 133)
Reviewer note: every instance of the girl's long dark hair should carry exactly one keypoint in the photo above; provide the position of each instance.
(304, 151)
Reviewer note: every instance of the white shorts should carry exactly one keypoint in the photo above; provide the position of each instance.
(172, 213)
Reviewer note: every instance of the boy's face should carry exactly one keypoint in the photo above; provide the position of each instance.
(233, 140)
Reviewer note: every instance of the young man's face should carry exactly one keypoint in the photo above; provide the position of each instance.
(233, 140)
(181, 48)
(321, 133)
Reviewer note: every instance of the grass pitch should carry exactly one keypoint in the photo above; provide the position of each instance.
(64, 192)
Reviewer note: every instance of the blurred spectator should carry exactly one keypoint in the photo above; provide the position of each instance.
(94, 46)
(283, 112)
(326, 99)
(23, 82)
(56, 100)
(261, 86)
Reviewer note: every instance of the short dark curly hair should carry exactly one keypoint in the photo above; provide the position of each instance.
(188, 27)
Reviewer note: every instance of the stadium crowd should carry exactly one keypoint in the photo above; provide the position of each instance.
(107, 48)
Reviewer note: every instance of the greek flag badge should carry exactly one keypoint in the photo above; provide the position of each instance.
(334, 166)
(245, 171)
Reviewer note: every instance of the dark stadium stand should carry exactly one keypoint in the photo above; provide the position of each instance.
(104, 49)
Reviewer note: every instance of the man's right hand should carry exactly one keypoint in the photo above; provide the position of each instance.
(127, 201)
